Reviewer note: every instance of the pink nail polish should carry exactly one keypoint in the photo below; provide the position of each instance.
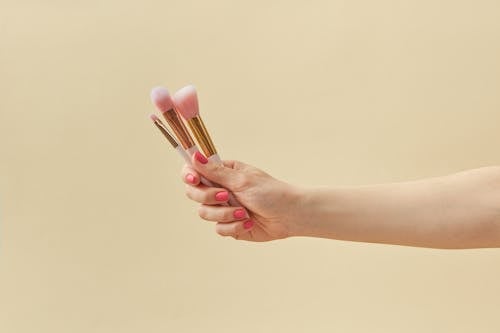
(190, 178)
(248, 224)
(222, 196)
(239, 213)
(200, 158)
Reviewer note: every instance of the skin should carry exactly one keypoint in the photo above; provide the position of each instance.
(457, 211)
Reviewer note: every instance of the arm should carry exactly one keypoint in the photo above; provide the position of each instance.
(457, 211)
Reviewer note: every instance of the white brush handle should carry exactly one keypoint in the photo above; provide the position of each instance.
(232, 200)
(183, 154)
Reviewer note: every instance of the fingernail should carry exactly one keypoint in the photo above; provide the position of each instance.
(239, 213)
(248, 224)
(222, 196)
(190, 178)
(200, 158)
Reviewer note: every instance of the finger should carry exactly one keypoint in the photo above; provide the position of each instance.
(222, 214)
(207, 195)
(234, 229)
(189, 175)
(218, 173)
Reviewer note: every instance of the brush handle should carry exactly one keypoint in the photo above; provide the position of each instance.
(183, 154)
(232, 200)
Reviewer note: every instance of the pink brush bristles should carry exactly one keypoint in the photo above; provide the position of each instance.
(162, 99)
(153, 117)
(186, 102)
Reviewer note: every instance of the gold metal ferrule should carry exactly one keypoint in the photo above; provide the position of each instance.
(166, 133)
(201, 134)
(180, 130)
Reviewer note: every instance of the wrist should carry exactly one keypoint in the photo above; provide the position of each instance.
(316, 212)
(306, 203)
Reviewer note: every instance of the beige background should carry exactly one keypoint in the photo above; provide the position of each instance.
(96, 233)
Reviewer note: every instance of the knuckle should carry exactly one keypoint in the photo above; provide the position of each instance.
(192, 194)
(228, 215)
(220, 232)
(216, 167)
(206, 198)
(184, 170)
(188, 194)
(241, 182)
(202, 212)
(219, 170)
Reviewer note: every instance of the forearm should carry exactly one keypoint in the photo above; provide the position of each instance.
(456, 211)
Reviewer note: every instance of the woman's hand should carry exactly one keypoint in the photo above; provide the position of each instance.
(270, 208)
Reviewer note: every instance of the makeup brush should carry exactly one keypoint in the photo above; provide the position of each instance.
(186, 102)
(164, 103)
(164, 130)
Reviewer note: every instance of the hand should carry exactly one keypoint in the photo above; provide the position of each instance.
(270, 207)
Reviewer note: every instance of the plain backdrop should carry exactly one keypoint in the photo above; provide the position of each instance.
(96, 232)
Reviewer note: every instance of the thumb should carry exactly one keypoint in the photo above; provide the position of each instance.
(216, 172)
